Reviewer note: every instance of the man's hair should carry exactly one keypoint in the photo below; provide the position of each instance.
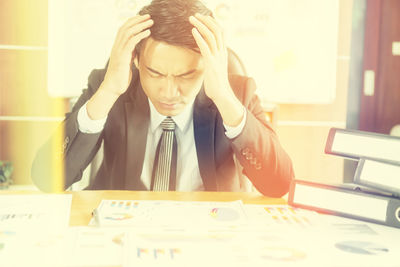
(171, 21)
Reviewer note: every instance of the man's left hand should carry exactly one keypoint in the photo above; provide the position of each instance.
(210, 40)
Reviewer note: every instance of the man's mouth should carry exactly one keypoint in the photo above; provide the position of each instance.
(168, 105)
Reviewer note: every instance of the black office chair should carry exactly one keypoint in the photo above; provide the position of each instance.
(235, 64)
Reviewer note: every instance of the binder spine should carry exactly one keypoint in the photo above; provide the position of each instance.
(391, 211)
(387, 178)
(354, 144)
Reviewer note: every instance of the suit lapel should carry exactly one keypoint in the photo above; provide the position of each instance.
(204, 115)
(137, 124)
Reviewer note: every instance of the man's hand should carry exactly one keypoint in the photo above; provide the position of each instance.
(209, 37)
(119, 71)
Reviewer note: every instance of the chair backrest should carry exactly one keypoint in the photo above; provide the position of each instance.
(395, 131)
(235, 64)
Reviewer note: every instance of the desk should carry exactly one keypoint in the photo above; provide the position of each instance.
(84, 202)
(266, 244)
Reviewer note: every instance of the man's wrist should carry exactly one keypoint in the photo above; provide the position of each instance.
(231, 110)
(86, 124)
(101, 103)
(233, 132)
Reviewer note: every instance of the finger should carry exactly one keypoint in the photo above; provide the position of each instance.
(135, 20)
(131, 44)
(129, 23)
(136, 29)
(223, 36)
(207, 34)
(201, 43)
(213, 25)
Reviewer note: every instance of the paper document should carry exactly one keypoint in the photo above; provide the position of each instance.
(169, 213)
(96, 247)
(280, 216)
(45, 210)
(303, 239)
(33, 247)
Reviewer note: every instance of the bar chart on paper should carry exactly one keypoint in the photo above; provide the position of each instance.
(280, 215)
(35, 210)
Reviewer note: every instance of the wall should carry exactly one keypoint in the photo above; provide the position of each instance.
(28, 115)
(303, 129)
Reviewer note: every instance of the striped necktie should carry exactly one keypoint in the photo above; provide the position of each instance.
(164, 168)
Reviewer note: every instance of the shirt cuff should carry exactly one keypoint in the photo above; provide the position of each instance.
(86, 124)
(233, 132)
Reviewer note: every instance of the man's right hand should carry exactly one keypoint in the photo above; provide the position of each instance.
(119, 71)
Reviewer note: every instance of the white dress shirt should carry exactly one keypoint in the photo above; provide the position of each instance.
(187, 174)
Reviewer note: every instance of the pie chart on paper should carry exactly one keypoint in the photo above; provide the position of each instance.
(361, 247)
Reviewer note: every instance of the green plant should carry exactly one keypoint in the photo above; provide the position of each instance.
(6, 170)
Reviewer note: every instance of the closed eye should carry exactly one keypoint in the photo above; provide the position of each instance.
(154, 72)
(186, 75)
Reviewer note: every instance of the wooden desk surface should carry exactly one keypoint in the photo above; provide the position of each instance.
(84, 202)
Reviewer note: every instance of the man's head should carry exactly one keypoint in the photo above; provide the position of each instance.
(171, 23)
(169, 62)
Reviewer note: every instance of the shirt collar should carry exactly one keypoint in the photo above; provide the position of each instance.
(182, 120)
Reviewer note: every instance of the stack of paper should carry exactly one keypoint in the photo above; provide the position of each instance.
(204, 234)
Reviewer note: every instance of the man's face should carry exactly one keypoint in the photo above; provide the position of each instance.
(171, 76)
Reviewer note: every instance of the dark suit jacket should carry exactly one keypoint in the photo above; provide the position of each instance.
(257, 148)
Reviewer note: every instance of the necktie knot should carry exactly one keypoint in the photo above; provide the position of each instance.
(168, 124)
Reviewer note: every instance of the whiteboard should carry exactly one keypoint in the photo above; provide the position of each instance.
(81, 35)
(288, 46)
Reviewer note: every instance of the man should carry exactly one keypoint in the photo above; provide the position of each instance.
(168, 66)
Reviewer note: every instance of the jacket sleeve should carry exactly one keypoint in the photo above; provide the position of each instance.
(257, 147)
(74, 149)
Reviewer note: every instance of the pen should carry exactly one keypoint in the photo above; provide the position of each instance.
(96, 216)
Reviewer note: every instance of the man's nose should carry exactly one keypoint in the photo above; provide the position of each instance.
(171, 88)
